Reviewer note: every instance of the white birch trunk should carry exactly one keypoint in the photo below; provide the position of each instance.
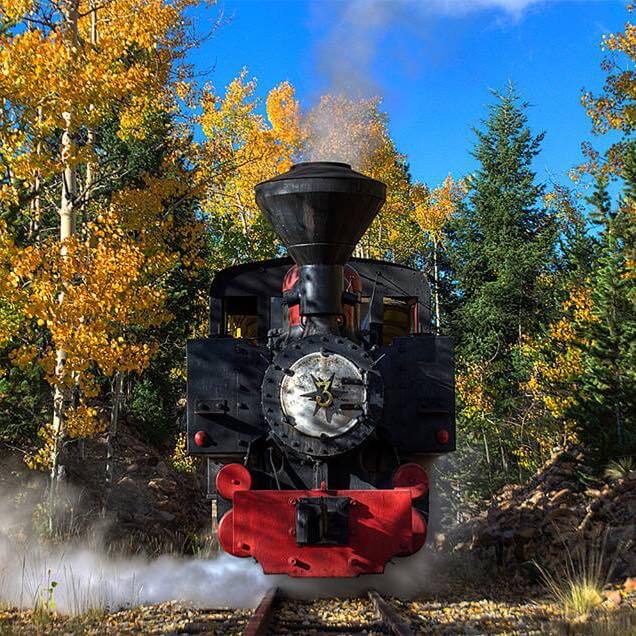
(67, 229)
(436, 285)
(118, 385)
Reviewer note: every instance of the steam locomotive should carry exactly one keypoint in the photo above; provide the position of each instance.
(321, 393)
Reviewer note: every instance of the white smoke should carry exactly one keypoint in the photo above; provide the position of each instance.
(360, 34)
(404, 578)
(79, 578)
(77, 575)
(359, 29)
(343, 129)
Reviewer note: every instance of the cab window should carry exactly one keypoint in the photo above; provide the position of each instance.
(241, 318)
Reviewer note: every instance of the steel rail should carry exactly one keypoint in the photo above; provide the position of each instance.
(260, 620)
(389, 616)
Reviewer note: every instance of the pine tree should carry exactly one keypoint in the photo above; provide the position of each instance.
(606, 411)
(502, 246)
(503, 240)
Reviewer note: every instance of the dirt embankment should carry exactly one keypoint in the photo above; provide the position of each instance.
(150, 507)
(561, 514)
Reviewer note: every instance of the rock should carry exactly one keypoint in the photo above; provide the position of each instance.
(630, 584)
(127, 482)
(613, 597)
(163, 484)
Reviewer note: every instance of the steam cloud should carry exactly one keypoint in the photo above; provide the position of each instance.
(359, 30)
(86, 577)
(351, 46)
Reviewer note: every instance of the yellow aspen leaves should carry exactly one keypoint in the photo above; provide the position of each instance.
(434, 208)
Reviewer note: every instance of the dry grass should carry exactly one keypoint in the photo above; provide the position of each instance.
(577, 587)
(620, 468)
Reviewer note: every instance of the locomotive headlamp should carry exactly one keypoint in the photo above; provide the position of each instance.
(322, 395)
(316, 397)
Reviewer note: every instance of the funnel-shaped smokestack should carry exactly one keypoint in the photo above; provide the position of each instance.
(320, 210)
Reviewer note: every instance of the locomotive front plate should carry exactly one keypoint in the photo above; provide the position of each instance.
(324, 394)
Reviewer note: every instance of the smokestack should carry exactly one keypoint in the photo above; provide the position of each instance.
(320, 210)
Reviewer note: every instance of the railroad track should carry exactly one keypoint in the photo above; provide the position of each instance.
(373, 615)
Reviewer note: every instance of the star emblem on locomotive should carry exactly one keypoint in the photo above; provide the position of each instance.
(323, 396)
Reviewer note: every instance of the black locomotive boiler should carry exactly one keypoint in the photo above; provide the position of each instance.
(321, 393)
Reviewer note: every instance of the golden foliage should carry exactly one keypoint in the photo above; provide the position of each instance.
(48, 73)
(40, 458)
(87, 301)
(180, 460)
(558, 358)
(470, 383)
(241, 149)
(615, 108)
(434, 208)
(111, 280)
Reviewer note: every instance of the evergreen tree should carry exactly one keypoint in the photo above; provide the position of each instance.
(503, 239)
(606, 412)
(503, 243)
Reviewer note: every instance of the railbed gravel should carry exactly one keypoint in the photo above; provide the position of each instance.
(457, 611)
(338, 616)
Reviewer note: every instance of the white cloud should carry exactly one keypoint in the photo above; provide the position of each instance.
(514, 7)
(350, 46)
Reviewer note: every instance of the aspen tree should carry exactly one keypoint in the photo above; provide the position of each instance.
(62, 75)
(433, 210)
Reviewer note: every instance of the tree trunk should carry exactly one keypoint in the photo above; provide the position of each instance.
(436, 286)
(118, 385)
(487, 454)
(90, 133)
(67, 229)
(36, 213)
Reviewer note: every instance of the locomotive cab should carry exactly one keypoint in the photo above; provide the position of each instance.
(321, 393)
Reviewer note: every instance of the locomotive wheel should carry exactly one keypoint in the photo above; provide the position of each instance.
(321, 395)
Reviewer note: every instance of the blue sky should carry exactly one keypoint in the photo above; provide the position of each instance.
(432, 61)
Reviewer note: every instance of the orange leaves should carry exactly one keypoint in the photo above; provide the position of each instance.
(615, 107)
(557, 359)
(241, 149)
(283, 113)
(471, 383)
(13, 10)
(46, 71)
(433, 208)
(96, 299)
(84, 421)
